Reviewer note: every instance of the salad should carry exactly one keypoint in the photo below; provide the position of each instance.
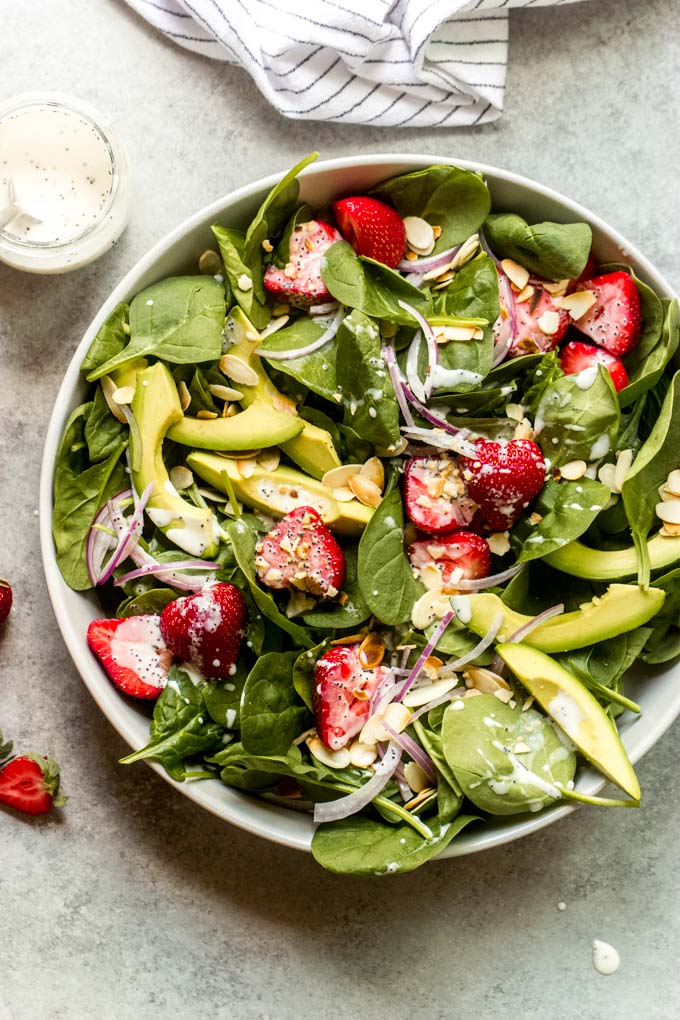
(381, 505)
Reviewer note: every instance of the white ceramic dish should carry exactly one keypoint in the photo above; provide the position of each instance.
(178, 252)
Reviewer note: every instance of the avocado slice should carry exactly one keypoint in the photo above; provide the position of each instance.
(126, 375)
(259, 425)
(280, 491)
(156, 408)
(622, 608)
(614, 565)
(575, 710)
(313, 448)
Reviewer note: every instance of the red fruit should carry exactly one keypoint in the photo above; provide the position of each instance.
(531, 335)
(372, 228)
(338, 675)
(435, 494)
(133, 653)
(29, 784)
(505, 479)
(614, 321)
(576, 356)
(462, 554)
(205, 629)
(5, 599)
(300, 283)
(300, 552)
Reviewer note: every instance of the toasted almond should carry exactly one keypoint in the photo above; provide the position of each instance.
(225, 392)
(673, 482)
(350, 639)
(549, 322)
(474, 693)
(535, 518)
(396, 715)
(209, 263)
(369, 733)
(267, 245)
(108, 389)
(246, 467)
(607, 475)
(273, 325)
(524, 294)
(280, 402)
(419, 234)
(362, 755)
(527, 703)
(669, 530)
(343, 494)
(431, 576)
(429, 607)
(578, 303)
(372, 650)
(206, 415)
(445, 334)
(573, 470)
(517, 274)
(503, 695)
(183, 394)
(373, 470)
(431, 666)
(423, 694)
(333, 759)
(338, 477)
(123, 395)
(366, 491)
(244, 282)
(523, 430)
(437, 231)
(515, 412)
(669, 511)
(269, 459)
(237, 369)
(499, 543)
(419, 798)
(624, 462)
(485, 680)
(415, 777)
(411, 256)
(557, 289)
(443, 280)
(181, 477)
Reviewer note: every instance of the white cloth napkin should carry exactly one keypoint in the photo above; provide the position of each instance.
(387, 63)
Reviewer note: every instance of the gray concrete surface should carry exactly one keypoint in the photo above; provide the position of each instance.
(133, 903)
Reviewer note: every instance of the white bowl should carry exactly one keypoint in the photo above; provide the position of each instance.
(177, 253)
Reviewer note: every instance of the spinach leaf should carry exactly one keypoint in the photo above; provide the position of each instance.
(574, 423)
(657, 457)
(254, 772)
(223, 698)
(179, 319)
(316, 371)
(303, 214)
(449, 793)
(179, 729)
(364, 846)
(546, 371)
(482, 744)
(664, 640)
(243, 538)
(386, 579)
(601, 666)
(645, 370)
(103, 432)
(567, 510)
(271, 715)
(110, 339)
(370, 406)
(555, 251)
(456, 200)
(513, 368)
(455, 641)
(303, 672)
(79, 492)
(201, 397)
(152, 601)
(231, 245)
(353, 611)
(369, 286)
(473, 294)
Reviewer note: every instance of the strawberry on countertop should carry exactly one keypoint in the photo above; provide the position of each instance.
(133, 653)
(505, 478)
(462, 554)
(576, 356)
(614, 321)
(342, 694)
(299, 282)
(435, 494)
(30, 784)
(205, 629)
(5, 599)
(300, 553)
(372, 228)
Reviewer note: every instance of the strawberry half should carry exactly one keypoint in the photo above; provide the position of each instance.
(205, 629)
(505, 479)
(435, 494)
(299, 282)
(615, 320)
(338, 678)
(133, 653)
(534, 333)
(30, 784)
(462, 554)
(576, 355)
(5, 599)
(372, 228)
(300, 553)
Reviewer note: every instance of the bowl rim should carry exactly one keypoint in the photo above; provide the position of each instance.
(238, 809)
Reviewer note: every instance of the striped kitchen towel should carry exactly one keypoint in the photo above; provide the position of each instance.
(388, 63)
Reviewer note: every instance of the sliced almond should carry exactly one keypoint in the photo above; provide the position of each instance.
(209, 263)
(431, 606)
(348, 639)
(419, 798)
(362, 755)
(535, 518)
(607, 475)
(280, 402)
(431, 666)
(423, 694)
(373, 470)
(466, 251)
(366, 491)
(523, 430)
(445, 334)
(123, 395)
(273, 325)
(673, 482)
(502, 695)
(206, 415)
(225, 392)
(343, 494)
(238, 370)
(184, 395)
(372, 650)
(515, 412)
(573, 470)
(333, 759)
(624, 462)
(549, 322)
(415, 777)
(527, 703)
(267, 245)
(521, 747)
(431, 576)
(557, 289)
(397, 716)
(578, 303)
(524, 294)
(474, 693)
(246, 467)
(338, 477)
(669, 511)
(369, 733)
(499, 543)
(181, 477)
(108, 389)
(484, 680)
(244, 282)
(269, 459)
(517, 274)
(419, 234)
(670, 530)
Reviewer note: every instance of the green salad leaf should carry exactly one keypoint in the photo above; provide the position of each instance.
(574, 422)
(555, 251)
(110, 339)
(645, 370)
(353, 611)
(369, 286)
(370, 406)
(385, 575)
(103, 432)
(567, 509)
(316, 371)
(473, 294)
(240, 276)
(271, 714)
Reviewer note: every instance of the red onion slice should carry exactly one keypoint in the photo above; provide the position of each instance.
(173, 569)
(500, 351)
(425, 654)
(484, 245)
(333, 810)
(397, 384)
(414, 751)
(302, 352)
(452, 667)
(330, 308)
(128, 539)
(412, 367)
(436, 702)
(482, 583)
(423, 265)
(498, 665)
(446, 440)
(432, 349)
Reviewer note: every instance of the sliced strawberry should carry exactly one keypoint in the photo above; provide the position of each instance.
(205, 629)
(299, 282)
(505, 478)
(133, 653)
(30, 784)
(534, 332)
(461, 554)
(615, 320)
(435, 494)
(576, 356)
(342, 694)
(372, 228)
(5, 599)
(300, 553)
